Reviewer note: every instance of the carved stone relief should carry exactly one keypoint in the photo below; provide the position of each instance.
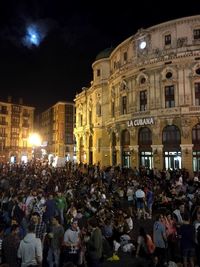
(156, 129)
(185, 127)
(182, 41)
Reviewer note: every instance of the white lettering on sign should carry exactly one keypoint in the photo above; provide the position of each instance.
(140, 122)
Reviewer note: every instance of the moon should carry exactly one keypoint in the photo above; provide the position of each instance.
(34, 36)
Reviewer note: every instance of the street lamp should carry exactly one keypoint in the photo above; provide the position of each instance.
(34, 141)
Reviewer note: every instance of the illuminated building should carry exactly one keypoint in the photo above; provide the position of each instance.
(143, 105)
(16, 123)
(56, 129)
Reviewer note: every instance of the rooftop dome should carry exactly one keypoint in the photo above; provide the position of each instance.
(105, 53)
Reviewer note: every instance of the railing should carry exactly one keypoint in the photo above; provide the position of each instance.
(194, 108)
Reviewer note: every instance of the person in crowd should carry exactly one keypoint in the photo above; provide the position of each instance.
(95, 244)
(196, 225)
(160, 239)
(172, 235)
(56, 239)
(10, 246)
(140, 200)
(50, 209)
(145, 246)
(187, 241)
(149, 201)
(30, 249)
(72, 243)
(179, 213)
(1, 240)
(61, 205)
(40, 226)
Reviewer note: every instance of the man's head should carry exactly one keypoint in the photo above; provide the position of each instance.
(31, 228)
(74, 223)
(35, 218)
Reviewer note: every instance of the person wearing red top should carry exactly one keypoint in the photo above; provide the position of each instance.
(171, 233)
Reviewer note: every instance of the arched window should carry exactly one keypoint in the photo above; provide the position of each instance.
(145, 137)
(145, 142)
(125, 138)
(171, 137)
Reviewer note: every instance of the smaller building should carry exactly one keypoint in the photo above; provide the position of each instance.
(56, 129)
(16, 124)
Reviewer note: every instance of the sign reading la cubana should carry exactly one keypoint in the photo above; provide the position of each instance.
(140, 122)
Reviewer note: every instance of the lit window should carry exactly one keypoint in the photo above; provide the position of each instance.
(196, 34)
(169, 96)
(168, 39)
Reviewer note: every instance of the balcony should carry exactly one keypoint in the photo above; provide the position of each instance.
(26, 114)
(3, 112)
(3, 123)
(3, 135)
(14, 135)
(15, 124)
(25, 125)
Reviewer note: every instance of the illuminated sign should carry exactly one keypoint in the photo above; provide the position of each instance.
(140, 122)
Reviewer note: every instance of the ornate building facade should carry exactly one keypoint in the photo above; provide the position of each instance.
(16, 124)
(143, 105)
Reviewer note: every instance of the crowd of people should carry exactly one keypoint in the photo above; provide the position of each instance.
(80, 215)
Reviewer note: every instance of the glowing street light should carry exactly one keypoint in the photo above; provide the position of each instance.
(34, 141)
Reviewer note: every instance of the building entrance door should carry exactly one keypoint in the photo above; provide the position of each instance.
(172, 160)
(146, 159)
(126, 159)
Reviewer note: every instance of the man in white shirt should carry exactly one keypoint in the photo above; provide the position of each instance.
(72, 243)
(140, 197)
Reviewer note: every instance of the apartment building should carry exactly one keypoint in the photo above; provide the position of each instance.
(56, 129)
(16, 124)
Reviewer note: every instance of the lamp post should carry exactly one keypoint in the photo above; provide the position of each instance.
(34, 141)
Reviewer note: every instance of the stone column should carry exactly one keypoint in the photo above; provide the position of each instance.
(134, 156)
(157, 156)
(186, 155)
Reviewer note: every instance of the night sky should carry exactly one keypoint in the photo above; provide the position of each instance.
(47, 47)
